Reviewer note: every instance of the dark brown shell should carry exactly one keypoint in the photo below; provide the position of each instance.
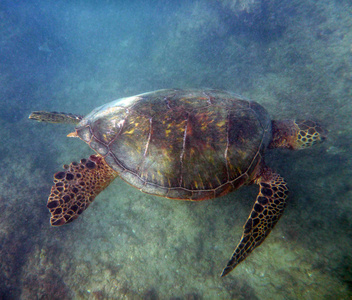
(184, 144)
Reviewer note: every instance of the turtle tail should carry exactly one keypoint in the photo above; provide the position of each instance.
(55, 117)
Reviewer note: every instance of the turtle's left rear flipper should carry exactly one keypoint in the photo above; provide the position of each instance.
(267, 210)
(55, 117)
(76, 187)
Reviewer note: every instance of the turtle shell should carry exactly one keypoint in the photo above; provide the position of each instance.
(181, 144)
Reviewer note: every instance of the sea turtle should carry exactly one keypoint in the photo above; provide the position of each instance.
(181, 144)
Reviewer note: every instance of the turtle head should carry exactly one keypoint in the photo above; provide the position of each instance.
(296, 134)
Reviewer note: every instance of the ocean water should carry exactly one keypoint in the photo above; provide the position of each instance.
(293, 57)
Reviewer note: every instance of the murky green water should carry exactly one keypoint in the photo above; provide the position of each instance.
(293, 57)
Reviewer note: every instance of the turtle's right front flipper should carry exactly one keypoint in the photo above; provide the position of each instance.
(267, 210)
(55, 117)
(76, 187)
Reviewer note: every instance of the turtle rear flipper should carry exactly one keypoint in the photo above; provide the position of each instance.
(55, 117)
(267, 210)
(76, 187)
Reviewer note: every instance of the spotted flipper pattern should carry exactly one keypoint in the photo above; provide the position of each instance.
(76, 187)
(267, 210)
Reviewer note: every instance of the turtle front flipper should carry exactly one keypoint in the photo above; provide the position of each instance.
(267, 210)
(76, 187)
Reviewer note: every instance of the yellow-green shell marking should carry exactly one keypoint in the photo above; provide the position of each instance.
(182, 144)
